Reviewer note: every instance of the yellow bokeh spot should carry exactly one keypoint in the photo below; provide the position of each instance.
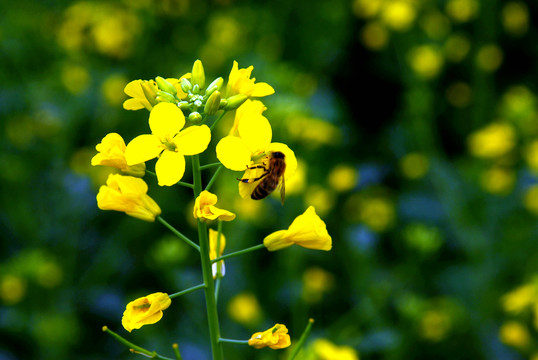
(374, 36)
(426, 61)
(489, 57)
(49, 275)
(248, 209)
(343, 177)
(304, 84)
(459, 94)
(435, 25)
(462, 10)
(514, 334)
(245, 309)
(493, 140)
(112, 89)
(414, 165)
(498, 180)
(519, 299)
(367, 8)
(378, 213)
(531, 155)
(316, 281)
(520, 106)
(326, 350)
(435, 325)
(530, 199)
(398, 15)
(297, 182)
(320, 198)
(75, 78)
(12, 289)
(313, 132)
(457, 47)
(515, 18)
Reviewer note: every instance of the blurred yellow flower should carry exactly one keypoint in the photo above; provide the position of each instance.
(489, 57)
(531, 155)
(316, 282)
(435, 24)
(127, 194)
(459, 94)
(343, 177)
(491, 141)
(321, 198)
(276, 338)
(530, 199)
(145, 311)
(326, 350)
(49, 274)
(515, 18)
(75, 78)
(204, 208)
(515, 334)
(168, 142)
(245, 309)
(457, 47)
(520, 298)
(378, 213)
(398, 15)
(112, 89)
(414, 165)
(307, 230)
(239, 82)
(217, 242)
(498, 180)
(12, 289)
(367, 8)
(312, 132)
(435, 325)
(112, 153)
(426, 61)
(374, 36)
(462, 10)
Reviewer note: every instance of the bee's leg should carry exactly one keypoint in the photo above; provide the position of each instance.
(256, 167)
(253, 180)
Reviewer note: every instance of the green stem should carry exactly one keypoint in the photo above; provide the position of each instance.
(211, 304)
(133, 347)
(182, 183)
(301, 341)
(176, 351)
(216, 121)
(240, 252)
(178, 234)
(209, 166)
(215, 176)
(232, 341)
(187, 291)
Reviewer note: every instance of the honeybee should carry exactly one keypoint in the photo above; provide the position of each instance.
(271, 178)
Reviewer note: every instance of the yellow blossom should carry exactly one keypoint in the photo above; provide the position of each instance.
(513, 333)
(519, 299)
(245, 309)
(307, 230)
(168, 142)
(204, 208)
(145, 311)
(493, 140)
(112, 153)
(399, 15)
(276, 338)
(249, 109)
(215, 242)
(239, 82)
(139, 99)
(127, 194)
(326, 350)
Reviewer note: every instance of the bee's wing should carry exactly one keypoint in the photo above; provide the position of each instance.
(282, 190)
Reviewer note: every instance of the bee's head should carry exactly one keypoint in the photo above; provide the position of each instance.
(277, 154)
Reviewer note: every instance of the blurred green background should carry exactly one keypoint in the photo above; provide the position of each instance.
(415, 123)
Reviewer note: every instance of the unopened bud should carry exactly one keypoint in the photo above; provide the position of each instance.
(186, 85)
(165, 85)
(195, 89)
(184, 105)
(215, 85)
(235, 101)
(195, 117)
(198, 74)
(150, 92)
(223, 103)
(213, 103)
(166, 96)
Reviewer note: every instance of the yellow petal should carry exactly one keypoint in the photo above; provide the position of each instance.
(165, 120)
(170, 168)
(277, 241)
(289, 158)
(256, 132)
(134, 89)
(133, 104)
(246, 188)
(262, 89)
(143, 148)
(233, 153)
(193, 140)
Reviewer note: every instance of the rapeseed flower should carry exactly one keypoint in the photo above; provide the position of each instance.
(276, 338)
(127, 194)
(307, 230)
(216, 248)
(204, 208)
(145, 311)
(139, 91)
(239, 82)
(168, 142)
(112, 153)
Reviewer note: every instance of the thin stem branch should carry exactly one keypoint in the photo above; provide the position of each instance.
(217, 121)
(240, 252)
(215, 176)
(178, 234)
(232, 341)
(182, 183)
(133, 347)
(302, 339)
(209, 166)
(187, 291)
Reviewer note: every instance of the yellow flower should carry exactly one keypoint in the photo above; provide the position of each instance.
(515, 334)
(493, 140)
(519, 299)
(239, 82)
(112, 153)
(326, 350)
(244, 308)
(307, 230)
(214, 242)
(145, 310)
(127, 194)
(138, 97)
(276, 338)
(249, 109)
(168, 143)
(204, 208)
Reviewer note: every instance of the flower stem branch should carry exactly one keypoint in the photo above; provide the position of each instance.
(232, 341)
(209, 166)
(240, 252)
(133, 347)
(176, 351)
(187, 291)
(182, 183)
(215, 176)
(217, 121)
(178, 234)
(302, 339)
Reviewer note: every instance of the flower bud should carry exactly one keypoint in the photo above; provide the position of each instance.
(186, 85)
(198, 75)
(235, 101)
(223, 104)
(215, 85)
(165, 85)
(149, 92)
(166, 97)
(195, 117)
(195, 89)
(184, 105)
(213, 103)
